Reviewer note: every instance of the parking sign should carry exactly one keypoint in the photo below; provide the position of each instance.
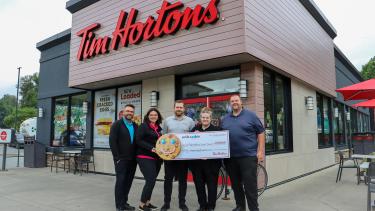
(5, 136)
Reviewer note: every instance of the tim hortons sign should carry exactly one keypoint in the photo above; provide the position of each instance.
(129, 32)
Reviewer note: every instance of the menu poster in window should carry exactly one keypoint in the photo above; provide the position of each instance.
(105, 114)
(130, 95)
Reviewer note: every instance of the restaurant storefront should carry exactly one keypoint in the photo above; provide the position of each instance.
(275, 55)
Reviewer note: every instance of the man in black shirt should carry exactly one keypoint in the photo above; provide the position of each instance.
(123, 147)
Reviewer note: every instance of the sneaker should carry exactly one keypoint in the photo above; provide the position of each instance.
(152, 206)
(144, 208)
(183, 207)
(165, 207)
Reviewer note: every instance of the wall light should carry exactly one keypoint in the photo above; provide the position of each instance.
(154, 97)
(243, 88)
(348, 116)
(85, 106)
(309, 103)
(40, 112)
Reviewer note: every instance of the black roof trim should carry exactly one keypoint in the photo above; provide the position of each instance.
(341, 56)
(76, 5)
(54, 40)
(319, 17)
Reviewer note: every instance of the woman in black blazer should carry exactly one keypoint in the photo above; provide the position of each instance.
(149, 162)
(206, 172)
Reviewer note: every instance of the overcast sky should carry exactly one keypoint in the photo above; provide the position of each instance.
(26, 22)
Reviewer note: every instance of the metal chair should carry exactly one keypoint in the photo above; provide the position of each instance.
(370, 176)
(57, 156)
(84, 159)
(342, 166)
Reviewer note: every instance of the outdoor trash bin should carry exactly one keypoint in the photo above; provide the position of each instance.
(34, 154)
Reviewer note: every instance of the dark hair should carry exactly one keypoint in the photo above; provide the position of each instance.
(160, 118)
(130, 105)
(179, 101)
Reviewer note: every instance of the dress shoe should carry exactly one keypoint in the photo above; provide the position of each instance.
(238, 209)
(128, 207)
(183, 207)
(165, 207)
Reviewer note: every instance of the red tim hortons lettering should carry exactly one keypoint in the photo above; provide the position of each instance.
(130, 32)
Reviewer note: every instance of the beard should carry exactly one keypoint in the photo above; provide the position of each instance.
(128, 117)
(178, 113)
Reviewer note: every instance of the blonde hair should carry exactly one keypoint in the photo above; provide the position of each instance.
(206, 110)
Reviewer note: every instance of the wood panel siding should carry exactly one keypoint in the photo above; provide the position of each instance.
(282, 34)
(224, 38)
(285, 35)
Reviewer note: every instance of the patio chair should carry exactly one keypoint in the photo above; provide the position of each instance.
(370, 183)
(85, 159)
(57, 156)
(342, 166)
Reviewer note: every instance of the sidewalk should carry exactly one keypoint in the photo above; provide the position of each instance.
(39, 189)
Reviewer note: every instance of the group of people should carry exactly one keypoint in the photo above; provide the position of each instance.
(131, 145)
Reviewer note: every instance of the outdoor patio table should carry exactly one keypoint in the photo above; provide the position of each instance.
(74, 154)
(363, 165)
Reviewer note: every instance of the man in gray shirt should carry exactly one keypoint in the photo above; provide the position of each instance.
(179, 123)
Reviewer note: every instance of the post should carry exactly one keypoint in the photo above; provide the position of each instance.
(4, 157)
(16, 116)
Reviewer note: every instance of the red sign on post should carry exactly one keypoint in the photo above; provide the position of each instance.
(5, 136)
(129, 32)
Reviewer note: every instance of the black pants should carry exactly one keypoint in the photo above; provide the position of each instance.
(206, 172)
(125, 170)
(150, 170)
(243, 175)
(180, 170)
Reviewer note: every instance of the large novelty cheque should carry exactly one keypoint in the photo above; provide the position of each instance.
(191, 146)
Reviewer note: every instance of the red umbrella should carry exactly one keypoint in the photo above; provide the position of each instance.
(367, 104)
(359, 91)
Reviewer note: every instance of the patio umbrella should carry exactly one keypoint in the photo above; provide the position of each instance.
(367, 104)
(361, 91)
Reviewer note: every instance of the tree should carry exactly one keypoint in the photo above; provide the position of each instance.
(368, 70)
(7, 104)
(23, 114)
(29, 90)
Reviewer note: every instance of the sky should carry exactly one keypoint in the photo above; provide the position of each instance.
(26, 22)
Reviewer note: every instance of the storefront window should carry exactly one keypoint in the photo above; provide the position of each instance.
(60, 122)
(338, 124)
(276, 111)
(268, 111)
(104, 116)
(353, 119)
(78, 121)
(209, 84)
(324, 120)
(69, 123)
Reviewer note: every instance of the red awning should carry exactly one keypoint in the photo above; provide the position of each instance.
(360, 91)
(367, 104)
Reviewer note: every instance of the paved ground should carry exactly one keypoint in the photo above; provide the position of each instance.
(39, 189)
(12, 154)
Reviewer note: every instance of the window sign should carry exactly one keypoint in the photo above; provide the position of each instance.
(105, 114)
(130, 95)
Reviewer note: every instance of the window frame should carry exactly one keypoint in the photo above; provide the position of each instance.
(330, 119)
(288, 136)
(68, 121)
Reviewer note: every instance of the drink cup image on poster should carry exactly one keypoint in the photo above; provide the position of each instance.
(130, 95)
(105, 114)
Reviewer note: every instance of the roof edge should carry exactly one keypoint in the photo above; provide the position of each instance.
(347, 63)
(318, 15)
(54, 40)
(75, 5)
